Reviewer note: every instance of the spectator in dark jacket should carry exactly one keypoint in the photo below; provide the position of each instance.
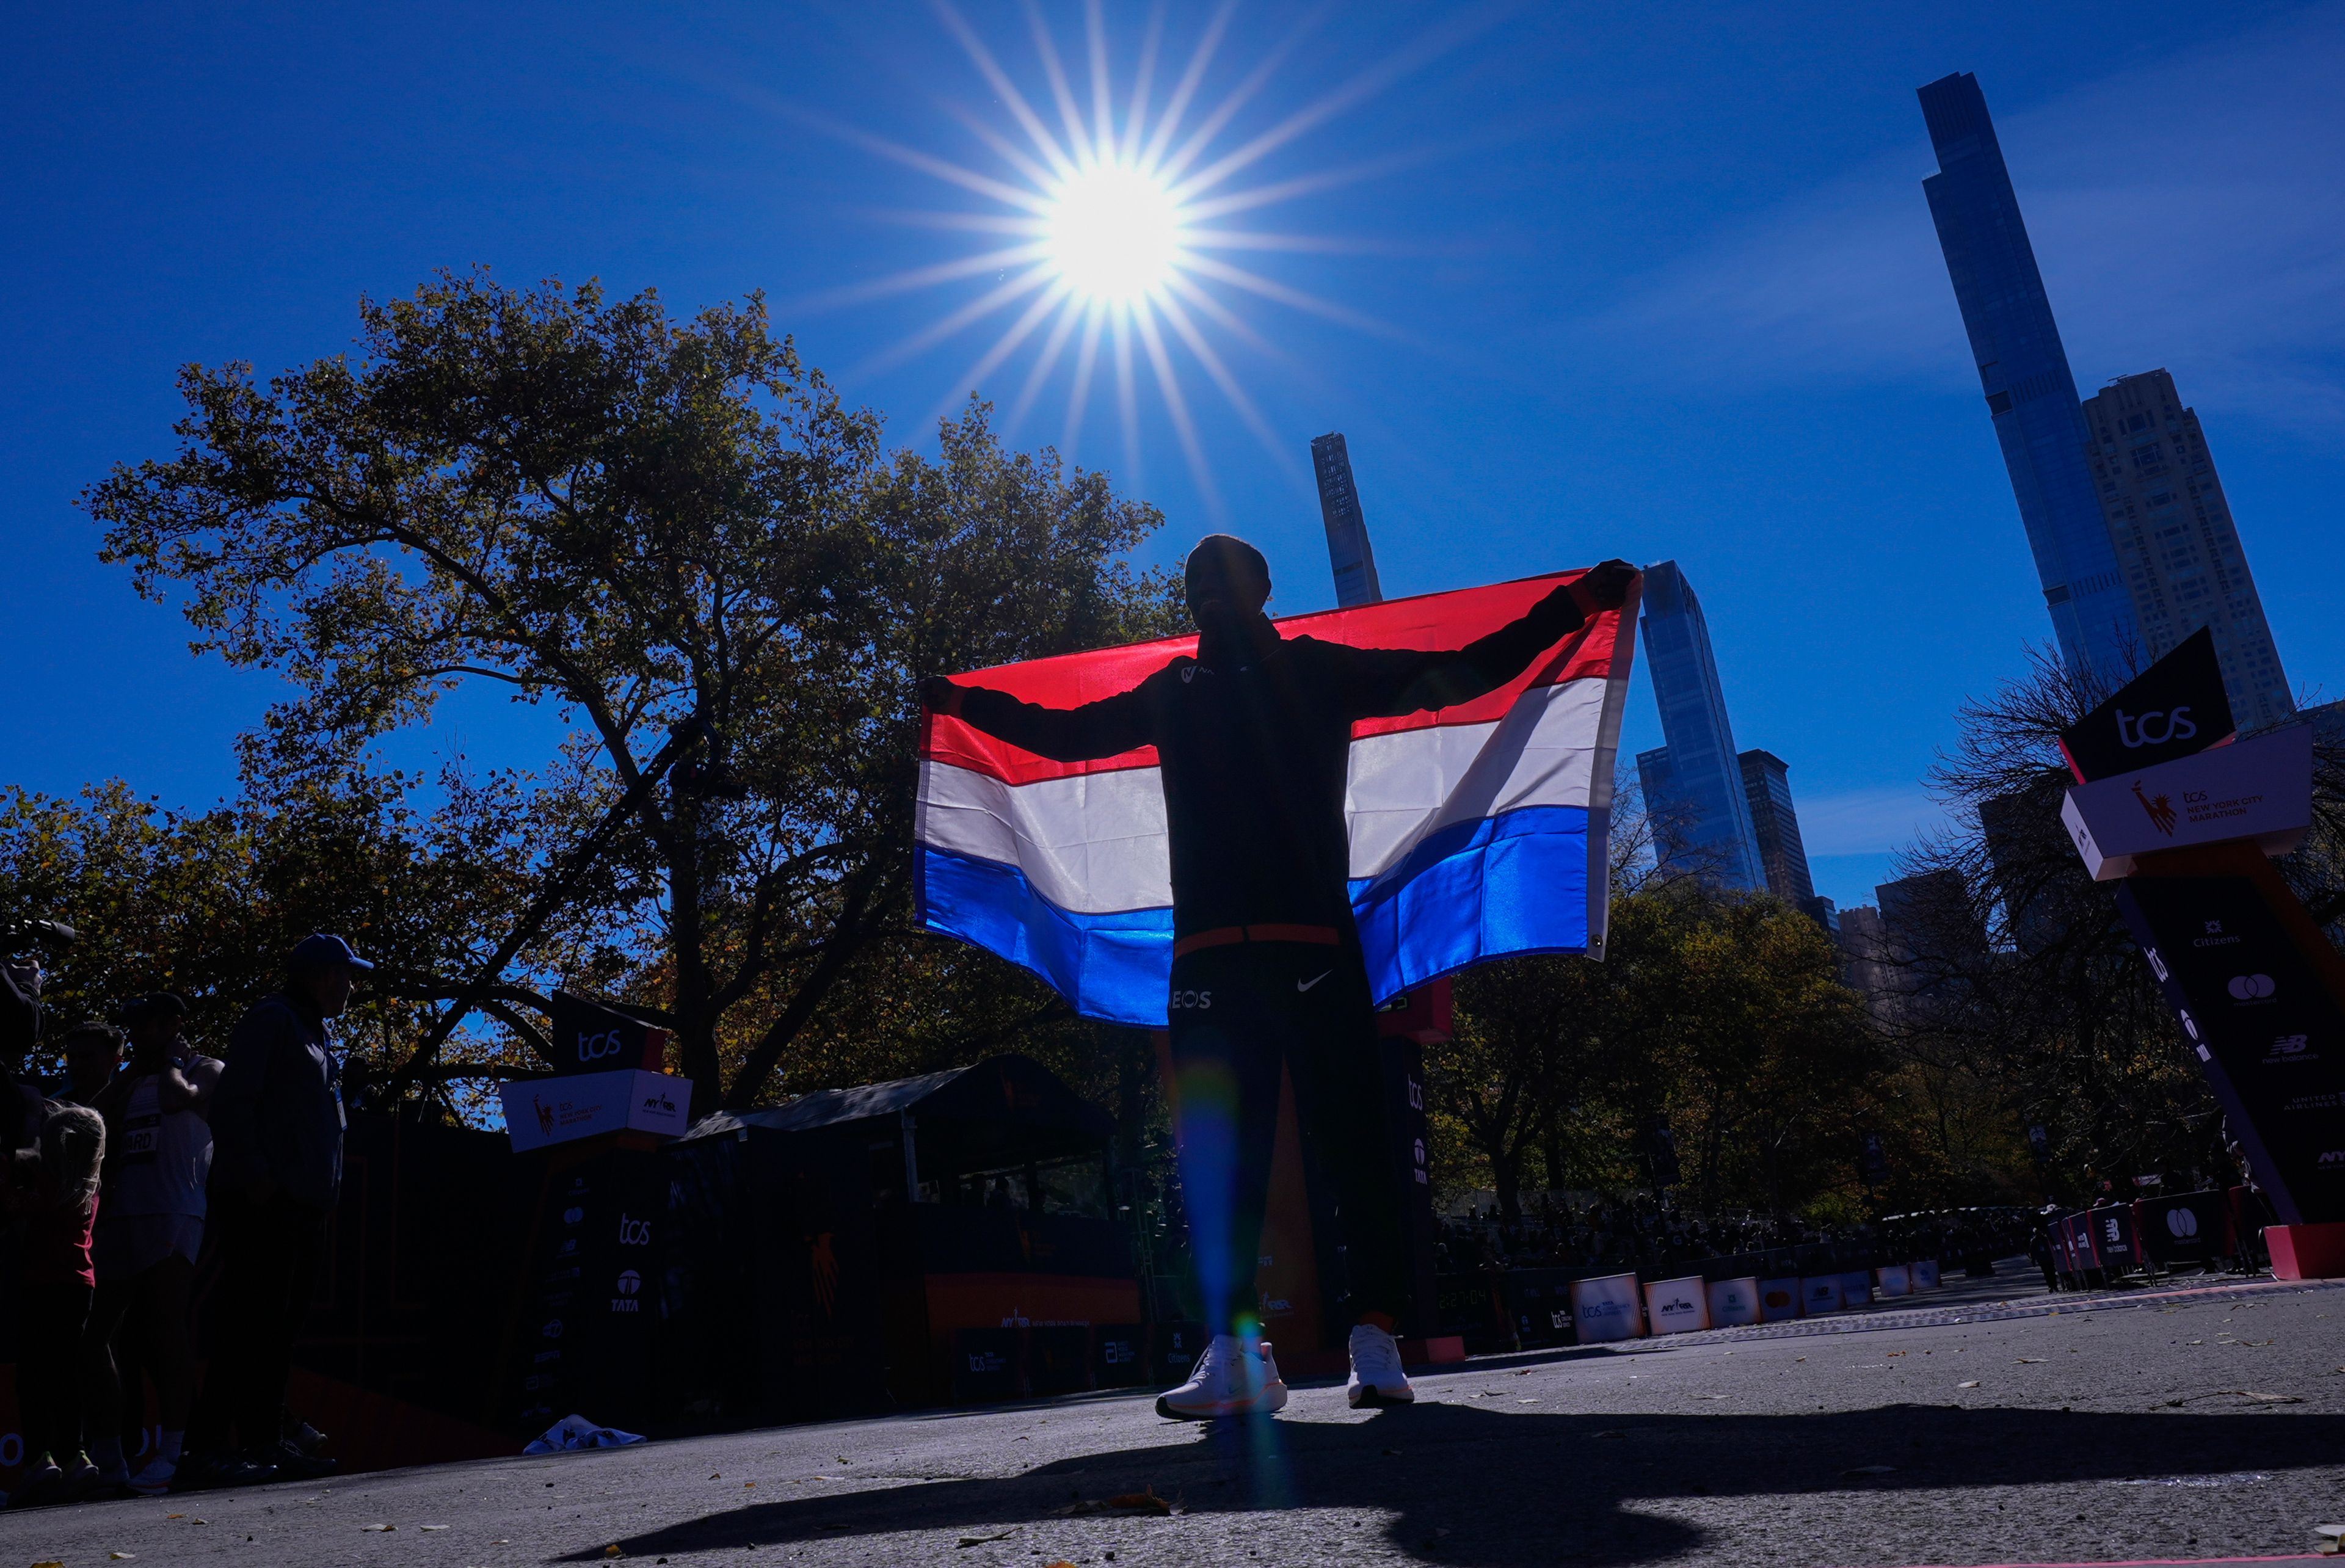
(276, 1170)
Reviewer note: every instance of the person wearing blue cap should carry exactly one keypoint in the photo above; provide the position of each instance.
(276, 1170)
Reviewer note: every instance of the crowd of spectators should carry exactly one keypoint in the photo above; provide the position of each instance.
(146, 1162)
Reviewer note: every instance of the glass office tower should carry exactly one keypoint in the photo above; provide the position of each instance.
(1693, 786)
(2030, 394)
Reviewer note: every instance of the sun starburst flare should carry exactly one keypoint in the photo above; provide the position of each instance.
(1118, 224)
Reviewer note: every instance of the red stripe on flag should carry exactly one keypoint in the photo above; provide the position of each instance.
(1427, 621)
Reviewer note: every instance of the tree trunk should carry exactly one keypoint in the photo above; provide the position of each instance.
(695, 1028)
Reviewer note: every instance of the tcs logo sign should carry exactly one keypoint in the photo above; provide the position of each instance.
(2174, 726)
(634, 1232)
(595, 1047)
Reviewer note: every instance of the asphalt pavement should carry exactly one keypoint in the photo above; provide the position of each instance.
(2201, 1424)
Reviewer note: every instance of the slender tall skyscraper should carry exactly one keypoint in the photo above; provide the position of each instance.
(1693, 786)
(2177, 542)
(1348, 551)
(2030, 394)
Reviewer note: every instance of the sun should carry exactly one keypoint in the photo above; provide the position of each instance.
(1113, 233)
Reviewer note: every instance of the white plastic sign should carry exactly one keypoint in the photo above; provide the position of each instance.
(1607, 1307)
(1733, 1303)
(1778, 1299)
(1678, 1306)
(2259, 789)
(543, 1111)
(1893, 1279)
(1925, 1274)
(1856, 1290)
(1819, 1294)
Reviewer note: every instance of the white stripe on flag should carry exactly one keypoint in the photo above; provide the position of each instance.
(1411, 783)
(1094, 843)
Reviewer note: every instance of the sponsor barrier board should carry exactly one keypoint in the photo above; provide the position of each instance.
(1892, 1279)
(1779, 1299)
(1607, 1307)
(1733, 1303)
(1856, 1289)
(1819, 1294)
(1925, 1274)
(1678, 1306)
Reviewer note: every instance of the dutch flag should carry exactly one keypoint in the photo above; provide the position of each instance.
(1477, 831)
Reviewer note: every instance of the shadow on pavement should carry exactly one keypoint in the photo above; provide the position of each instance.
(1473, 1486)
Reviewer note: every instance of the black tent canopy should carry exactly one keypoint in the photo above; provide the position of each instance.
(950, 1137)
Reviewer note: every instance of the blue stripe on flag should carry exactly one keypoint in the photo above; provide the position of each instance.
(1112, 966)
(1491, 888)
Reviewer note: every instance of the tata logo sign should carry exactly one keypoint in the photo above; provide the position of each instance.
(628, 1285)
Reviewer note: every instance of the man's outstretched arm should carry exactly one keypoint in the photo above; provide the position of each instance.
(1107, 728)
(1390, 682)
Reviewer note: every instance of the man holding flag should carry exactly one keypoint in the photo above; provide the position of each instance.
(1254, 737)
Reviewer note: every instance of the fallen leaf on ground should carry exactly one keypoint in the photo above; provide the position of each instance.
(426, 1527)
(613, 1552)
(1613, 1433)
(366, 1527)
(1127, 1503)
(123, 1556)
(982, 1540)
(1872, 1470)
(1971, 1384)
(2030, 1362)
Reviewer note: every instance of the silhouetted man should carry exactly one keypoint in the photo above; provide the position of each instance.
(276, 1171)
(1253, 735)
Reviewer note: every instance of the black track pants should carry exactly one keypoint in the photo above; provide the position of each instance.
(1239, 1012)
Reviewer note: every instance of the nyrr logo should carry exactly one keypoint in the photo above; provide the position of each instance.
(2334, 1157)
(660, 1103)
(2251, 987)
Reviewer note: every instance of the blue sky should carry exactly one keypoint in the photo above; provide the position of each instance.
(1581, 283)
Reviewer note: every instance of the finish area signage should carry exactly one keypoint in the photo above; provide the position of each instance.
(2260, 790)
(2264, 1027)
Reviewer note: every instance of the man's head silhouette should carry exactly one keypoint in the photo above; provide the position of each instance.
(1229, 582)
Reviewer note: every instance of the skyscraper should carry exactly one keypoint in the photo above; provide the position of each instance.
(2175, 541)
(2023, 371)
(1348, 549)
(1782, 855)
(1693, 786)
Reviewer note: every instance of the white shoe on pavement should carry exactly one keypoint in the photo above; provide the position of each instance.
(1376, 1377)
(1233, 1377)
(156, 1479)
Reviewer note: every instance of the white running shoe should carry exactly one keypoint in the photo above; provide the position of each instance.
(156, 1479)
(1233, 1377)
(1376, 1377)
